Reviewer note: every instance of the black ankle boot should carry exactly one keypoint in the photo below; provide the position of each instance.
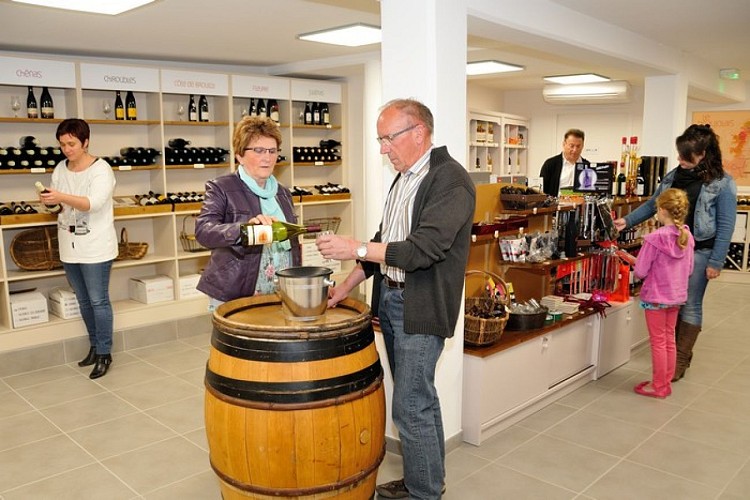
(102, 365)
(90, 358)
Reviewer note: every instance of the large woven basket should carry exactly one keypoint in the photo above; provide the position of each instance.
(36, 249)
(188, 241)
(485, 331)
(130, 250)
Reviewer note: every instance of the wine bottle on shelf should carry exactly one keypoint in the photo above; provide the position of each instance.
(131, 109)
(55, 208)
(640, 185)
(28, 142)
(316, 113)
(48, 107)
(325, 114)
(308, 120)
(17, 207)
(177, 143)
(32, 110)
(273, 110)
(252, 110)
(262, 109)
(192, 110)
(258, 234)
(119, 107)
(203, 113)
(622, 181)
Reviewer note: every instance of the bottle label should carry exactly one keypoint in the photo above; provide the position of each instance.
(33, 113)
(258, 234)
(132, 113)
(119, 113)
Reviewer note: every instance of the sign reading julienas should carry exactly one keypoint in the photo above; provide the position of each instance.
(107, 77)
(306, 90)
(37, 72)
(260, 86)
(190, 82)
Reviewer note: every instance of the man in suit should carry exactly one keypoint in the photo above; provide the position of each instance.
(559, 170)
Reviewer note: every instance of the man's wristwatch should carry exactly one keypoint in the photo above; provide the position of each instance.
(362, 251)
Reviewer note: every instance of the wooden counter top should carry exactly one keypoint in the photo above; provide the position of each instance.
(513, 338)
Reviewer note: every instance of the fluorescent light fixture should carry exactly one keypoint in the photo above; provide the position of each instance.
(353, 35)
(573, 79)
(111, 7)
(588, 93)
(488, 67)
(729, 73)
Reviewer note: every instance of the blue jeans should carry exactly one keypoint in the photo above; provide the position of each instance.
(90, 282)
(692, 311)
(416, 407)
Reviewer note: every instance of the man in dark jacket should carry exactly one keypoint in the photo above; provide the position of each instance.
(558, 171)
(418, 258)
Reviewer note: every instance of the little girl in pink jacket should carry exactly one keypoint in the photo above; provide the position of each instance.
(664, 263)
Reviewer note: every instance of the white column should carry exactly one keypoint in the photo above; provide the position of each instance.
(664, 115)
(424, 57)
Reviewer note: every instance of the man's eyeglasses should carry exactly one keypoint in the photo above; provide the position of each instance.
(260, 151)
(387, 139)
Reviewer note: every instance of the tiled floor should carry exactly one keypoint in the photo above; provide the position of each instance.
(138, 431)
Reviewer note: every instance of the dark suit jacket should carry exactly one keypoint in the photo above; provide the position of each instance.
(550, 173)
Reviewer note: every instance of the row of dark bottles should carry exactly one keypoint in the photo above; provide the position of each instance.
(734, 256)
(331, 188)
(198, 112)
(315, 154)
(133, 156)
(628, 235)
(316, 113)
(17, 208)
(29, 155)
(45, 108)
(264, 107)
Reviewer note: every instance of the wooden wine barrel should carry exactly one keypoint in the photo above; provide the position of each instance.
(294, 409)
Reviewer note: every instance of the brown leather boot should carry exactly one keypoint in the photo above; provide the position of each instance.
(685, 337)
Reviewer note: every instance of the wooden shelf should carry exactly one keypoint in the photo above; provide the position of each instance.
(317, 127)
(317, 163)
(543, 267)
(537, 211)
(123, 122)
(10, 119)
(197, 166)
(195, 124)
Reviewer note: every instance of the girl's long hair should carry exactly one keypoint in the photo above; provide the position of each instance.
(675, 202)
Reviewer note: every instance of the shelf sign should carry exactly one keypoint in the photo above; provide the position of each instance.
(106, 77)
(260, 86)
(188, 82)
(306, 90)
(37, 73)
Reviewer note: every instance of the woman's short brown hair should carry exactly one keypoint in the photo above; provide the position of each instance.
(76, 127)
(253, 127)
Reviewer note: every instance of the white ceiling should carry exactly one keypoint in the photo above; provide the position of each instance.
(261, 34)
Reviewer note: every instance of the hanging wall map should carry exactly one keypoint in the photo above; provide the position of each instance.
(733, 129)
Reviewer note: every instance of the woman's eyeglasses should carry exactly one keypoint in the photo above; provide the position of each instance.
(260, 151)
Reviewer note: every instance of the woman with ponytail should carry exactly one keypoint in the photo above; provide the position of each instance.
(712, 194)
(664, 263)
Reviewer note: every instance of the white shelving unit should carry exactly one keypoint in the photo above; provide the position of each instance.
(79, 90)
(498, 143)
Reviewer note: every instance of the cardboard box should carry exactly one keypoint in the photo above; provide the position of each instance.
(28, 308)
(151, 289)
(188, 283)
(311, 257)
(63, 303)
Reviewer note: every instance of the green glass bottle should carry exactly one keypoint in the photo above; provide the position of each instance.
(259, 234)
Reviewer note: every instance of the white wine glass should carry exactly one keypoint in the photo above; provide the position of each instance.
(15, 105)
(106, 108)
(180, 111)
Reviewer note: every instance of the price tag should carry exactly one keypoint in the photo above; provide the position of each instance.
(125, 167)
(329, 126)
(38, 170)
(199, 165)
(319, 163)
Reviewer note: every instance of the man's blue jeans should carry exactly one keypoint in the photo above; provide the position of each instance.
(90, 282)
(692, 311)
(416, 407)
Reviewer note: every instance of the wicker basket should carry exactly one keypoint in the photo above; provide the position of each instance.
(36, 249)
(129, 250)
(188, 241)
(326, 224)
(484, 331)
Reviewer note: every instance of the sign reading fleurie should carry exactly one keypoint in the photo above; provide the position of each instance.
(258, 86)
